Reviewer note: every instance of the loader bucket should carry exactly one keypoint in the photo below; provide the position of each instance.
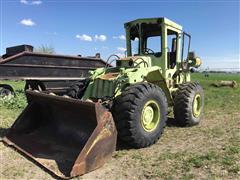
(65, 136)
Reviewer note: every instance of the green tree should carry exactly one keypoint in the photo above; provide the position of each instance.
(45, 49)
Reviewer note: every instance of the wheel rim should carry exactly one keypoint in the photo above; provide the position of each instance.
(150, 116)
(197, 105)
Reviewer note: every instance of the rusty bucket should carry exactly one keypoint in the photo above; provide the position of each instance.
(67, 137)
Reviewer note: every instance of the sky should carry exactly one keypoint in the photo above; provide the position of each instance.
(75, 27)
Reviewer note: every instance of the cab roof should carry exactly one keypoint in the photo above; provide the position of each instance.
(153, 21)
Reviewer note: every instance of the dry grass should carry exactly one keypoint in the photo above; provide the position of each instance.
(208, 151)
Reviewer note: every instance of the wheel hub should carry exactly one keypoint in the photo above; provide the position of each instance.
(197, 104)
(150, 116)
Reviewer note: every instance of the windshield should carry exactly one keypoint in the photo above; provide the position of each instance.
(150, 39)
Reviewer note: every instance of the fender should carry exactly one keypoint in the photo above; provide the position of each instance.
(156, 77)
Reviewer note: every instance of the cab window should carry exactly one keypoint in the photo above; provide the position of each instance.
(152, 40)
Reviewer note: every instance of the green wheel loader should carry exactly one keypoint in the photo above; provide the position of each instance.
(73, 134)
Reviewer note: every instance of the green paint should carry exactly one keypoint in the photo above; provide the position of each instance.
(163, 68)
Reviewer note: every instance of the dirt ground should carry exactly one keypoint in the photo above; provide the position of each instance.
(182, 153)
(210, 150)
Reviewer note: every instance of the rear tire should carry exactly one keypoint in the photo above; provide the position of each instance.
(6, 90)
(189, 104)
(140, 114)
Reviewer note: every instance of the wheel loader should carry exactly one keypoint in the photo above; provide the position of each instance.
(76, 133)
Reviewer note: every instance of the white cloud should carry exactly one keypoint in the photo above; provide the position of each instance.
(121, 49)
(26, 2)
(84, 37)
(100, 38)
(136, 39)
(36, 2)
(121, 55)
(121, 37)
(27, 22)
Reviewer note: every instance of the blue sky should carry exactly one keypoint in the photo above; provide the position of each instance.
(86, 27)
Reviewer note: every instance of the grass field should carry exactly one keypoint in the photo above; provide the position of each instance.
(210, 150)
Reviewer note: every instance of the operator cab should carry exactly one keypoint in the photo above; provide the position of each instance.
(158, 38)
(156, 42)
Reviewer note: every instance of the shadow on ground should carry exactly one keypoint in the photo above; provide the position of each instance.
(171, 122)
(3, 132)
(121, 145)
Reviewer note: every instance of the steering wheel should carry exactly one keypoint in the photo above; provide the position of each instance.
(148, 51)
(109, 58)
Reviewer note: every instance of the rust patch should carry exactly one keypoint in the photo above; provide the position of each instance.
(133, 58)
(109, 76)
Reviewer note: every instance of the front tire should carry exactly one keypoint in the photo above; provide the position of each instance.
(189, 104)
(140, 114)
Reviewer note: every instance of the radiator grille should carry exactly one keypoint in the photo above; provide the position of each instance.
(102, 88)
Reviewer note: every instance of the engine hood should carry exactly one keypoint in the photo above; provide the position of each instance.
(134, 61)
